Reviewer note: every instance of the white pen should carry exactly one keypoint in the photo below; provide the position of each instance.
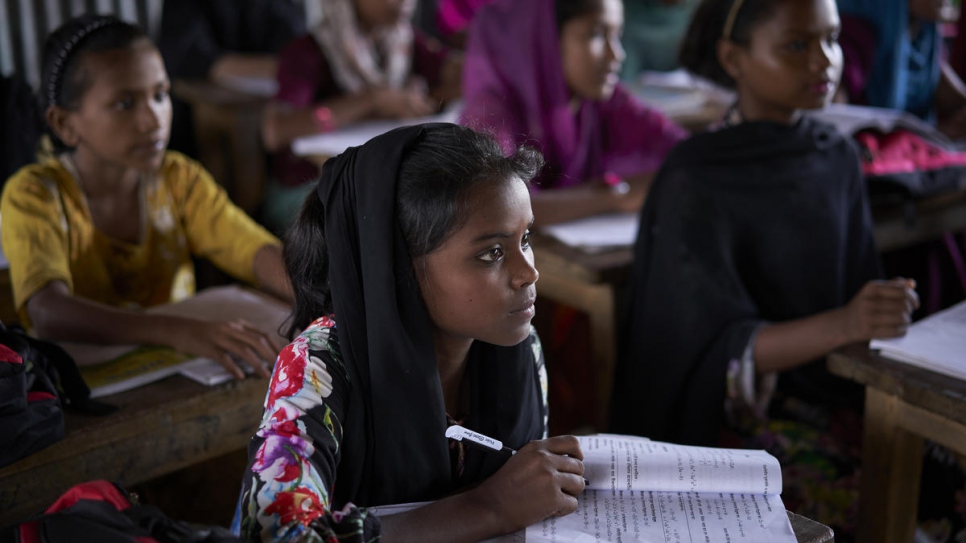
(459, 433)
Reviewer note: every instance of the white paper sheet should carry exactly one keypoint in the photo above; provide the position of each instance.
(597, 233)
(937, 343)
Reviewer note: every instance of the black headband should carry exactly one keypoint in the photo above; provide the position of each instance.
(56, 71)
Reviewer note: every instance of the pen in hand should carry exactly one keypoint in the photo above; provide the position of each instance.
(459, 433)
(481, 441)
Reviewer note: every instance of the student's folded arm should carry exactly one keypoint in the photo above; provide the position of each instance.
(283, 122)
(57, 314)
(551, 206)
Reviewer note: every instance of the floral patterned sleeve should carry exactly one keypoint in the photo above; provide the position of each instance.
(294, 455)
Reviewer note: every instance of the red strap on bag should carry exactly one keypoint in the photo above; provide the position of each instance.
(99, 490)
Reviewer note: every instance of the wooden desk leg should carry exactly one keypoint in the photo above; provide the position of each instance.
(891, 468)
(604, 336)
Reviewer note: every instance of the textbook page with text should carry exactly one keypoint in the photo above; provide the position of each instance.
(649, 491)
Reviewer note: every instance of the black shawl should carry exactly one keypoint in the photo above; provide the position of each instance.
(754, 223)
(393, 448)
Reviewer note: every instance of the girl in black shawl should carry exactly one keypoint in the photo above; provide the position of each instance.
(414, 285)
(755, 254)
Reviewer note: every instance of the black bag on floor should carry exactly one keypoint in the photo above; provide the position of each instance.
(102, 512)
(37, 379)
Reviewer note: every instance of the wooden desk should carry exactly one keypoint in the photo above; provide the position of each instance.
(934, 217)
(589, 282)
(159, 428)
(903, 405)
(228, 129)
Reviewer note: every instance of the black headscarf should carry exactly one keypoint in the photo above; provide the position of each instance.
(393, 448)
(756, 223)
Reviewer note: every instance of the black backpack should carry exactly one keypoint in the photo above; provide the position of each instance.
(37, 380)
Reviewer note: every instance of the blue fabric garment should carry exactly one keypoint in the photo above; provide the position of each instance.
(905, 70)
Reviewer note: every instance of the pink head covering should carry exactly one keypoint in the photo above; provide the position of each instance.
(514, 86)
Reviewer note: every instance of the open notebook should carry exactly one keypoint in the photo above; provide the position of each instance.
(650, 491)
(937, 343)
(116, 368)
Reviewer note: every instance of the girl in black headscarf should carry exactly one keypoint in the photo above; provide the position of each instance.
(414, 285)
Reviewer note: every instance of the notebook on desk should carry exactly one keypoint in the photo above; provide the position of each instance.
(337, 141)
(598, 233)
(642, 490)
(109, 369)
(936, 343)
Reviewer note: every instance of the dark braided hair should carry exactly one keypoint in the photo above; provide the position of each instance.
(699, 50)
(63, 80)
(434, 181)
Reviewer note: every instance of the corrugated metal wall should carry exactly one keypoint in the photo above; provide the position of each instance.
(25, 23)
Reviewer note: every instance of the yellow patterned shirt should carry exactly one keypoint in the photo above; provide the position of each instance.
(48, 235)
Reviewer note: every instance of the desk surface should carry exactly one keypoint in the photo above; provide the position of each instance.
(158, 429)
(919, 387)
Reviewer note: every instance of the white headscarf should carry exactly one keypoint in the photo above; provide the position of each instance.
(360, 61)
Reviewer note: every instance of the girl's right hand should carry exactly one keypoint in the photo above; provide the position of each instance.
(541, 480)
(882, 309)
(223, 340)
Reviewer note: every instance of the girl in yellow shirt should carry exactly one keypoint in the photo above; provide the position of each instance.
(110, 225)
